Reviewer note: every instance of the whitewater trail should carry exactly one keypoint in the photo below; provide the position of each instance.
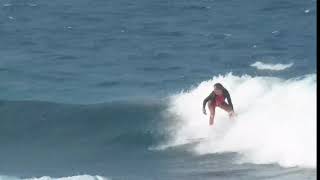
(276, 120)
(78, 177)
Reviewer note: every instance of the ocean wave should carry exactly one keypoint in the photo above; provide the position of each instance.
(274, 67)
(276, 120)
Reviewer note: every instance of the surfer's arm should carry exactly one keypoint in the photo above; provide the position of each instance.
(207, 99)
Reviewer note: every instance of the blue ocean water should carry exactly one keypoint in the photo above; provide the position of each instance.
(84, 83)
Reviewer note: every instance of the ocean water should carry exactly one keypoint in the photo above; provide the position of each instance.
(113, 89)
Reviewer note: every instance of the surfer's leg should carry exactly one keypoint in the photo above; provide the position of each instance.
(212, 107)
(227, 108)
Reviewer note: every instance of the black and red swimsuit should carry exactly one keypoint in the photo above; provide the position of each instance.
(218, 100)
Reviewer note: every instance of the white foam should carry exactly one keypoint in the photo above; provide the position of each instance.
(274, 67)
(276, 120)
(79, 177)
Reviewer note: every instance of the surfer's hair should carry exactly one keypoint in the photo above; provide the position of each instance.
(218, 86)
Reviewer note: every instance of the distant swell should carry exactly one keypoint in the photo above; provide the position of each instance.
(276, 120)
(274, 67)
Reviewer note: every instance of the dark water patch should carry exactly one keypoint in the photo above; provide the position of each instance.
(162, 55)
(236, 25)
(4, 69)
(280, 5)
(178, 34)
(267, 55)
(66, 57)
(233, 173)
(133, 139)
(28, 43)
(109, 83)
(148, 84)
(92, 19)
(209, 45)
(216, 36)
(160, 69)
(194, 8)
(236, 45)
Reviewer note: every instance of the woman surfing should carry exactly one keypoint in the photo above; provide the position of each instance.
(217, 98)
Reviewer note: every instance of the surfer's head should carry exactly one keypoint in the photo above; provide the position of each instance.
(218, 89)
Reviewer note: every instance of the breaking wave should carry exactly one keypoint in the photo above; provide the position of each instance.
(276, 121)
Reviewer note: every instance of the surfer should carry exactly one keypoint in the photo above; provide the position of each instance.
(217, 98)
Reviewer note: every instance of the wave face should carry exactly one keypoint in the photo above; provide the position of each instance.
(35, 123)
(56, 140)
(276, 120)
